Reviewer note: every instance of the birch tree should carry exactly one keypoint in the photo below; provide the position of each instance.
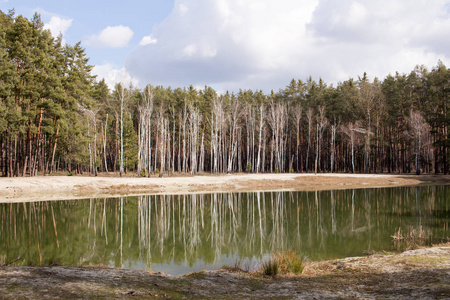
(260, 139)
(104, 131)
(309, 118)
(235, 114)
(350, 131)
(371, 99)
(145, 131)
(321, 124)
(194, 124)
(297, 111)
(419, 131)
(277, 119)
(121, 94)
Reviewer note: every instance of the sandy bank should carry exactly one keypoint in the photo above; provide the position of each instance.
(72, 187)
(415, 274)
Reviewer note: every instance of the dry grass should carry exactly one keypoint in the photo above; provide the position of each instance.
(284, 262)
(412, 238)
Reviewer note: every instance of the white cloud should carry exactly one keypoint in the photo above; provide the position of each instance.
(148, 40)
(113, 75)
(262, 44)
(183, 9)
(111, 37)
(58, 25)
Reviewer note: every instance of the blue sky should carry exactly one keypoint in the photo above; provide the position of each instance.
(252, 44)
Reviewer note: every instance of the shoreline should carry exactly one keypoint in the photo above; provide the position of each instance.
(40, 188)
(414, 274)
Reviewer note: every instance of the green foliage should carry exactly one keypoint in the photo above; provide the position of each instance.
(143, 173)
(130, 147)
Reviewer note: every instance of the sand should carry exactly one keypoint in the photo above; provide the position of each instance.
(415, 274)
(39, 188)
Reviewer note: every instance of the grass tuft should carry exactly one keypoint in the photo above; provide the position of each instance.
(285, 262)
(270, 267)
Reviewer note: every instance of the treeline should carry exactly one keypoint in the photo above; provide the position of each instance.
(54, 116)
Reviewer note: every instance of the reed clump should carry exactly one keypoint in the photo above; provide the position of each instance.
(284, 262)
(412, 238)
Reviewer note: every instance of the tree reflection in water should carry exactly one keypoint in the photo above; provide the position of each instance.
(211, 230)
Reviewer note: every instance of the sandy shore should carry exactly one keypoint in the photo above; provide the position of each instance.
(72, 187)
(415, 274)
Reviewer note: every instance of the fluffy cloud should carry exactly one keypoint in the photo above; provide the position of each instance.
(111, 37)
(113, 75)
(148, 40)
(262, 44)
(58, 25)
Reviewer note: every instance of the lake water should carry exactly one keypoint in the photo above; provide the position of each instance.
(178, 234)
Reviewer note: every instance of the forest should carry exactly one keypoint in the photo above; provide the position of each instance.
(55, 117)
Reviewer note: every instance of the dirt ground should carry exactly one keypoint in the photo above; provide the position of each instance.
(72, 187)
(415, 274)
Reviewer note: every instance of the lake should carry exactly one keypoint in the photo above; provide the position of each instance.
(178, 234)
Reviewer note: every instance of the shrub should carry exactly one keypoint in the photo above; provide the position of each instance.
(143, 173)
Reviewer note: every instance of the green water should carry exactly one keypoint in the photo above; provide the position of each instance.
(184, 233)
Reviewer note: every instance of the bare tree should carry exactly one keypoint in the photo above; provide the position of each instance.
(297, 110)
(250, 126)
(91, 115)
(419, 131)
(322, 123)
(217, 123)
(371, 100)
(277, 118)
(309, 117)
(184, 125)
(194, 124)
(234, 126)
(145, 131)
(334, 127)
(350, 131)
(260, 141)
(163, 124)
(121, 95)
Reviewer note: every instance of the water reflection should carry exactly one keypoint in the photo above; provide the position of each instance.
(182, 233)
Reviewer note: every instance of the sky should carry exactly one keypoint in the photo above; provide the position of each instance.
(247, 44)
